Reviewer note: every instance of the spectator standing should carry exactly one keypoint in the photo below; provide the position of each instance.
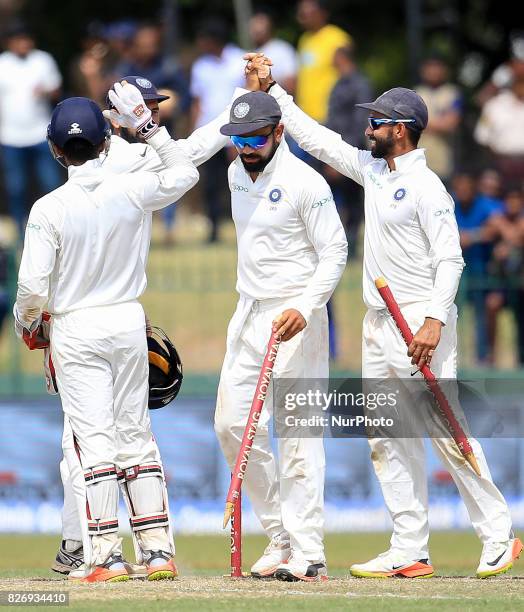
(350, 122)
(280, 51)
(502, 77)
(444, 102)
(476, 233)
(93, 72)
(148, 60)
(506, 271)
(29, 81)
(489, 188)
(316, 47)
(506, 144)
(214, 76)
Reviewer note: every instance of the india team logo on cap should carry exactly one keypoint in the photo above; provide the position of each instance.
(145, 83)
(241, 110)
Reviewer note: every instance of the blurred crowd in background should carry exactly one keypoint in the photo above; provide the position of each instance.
(482, 166)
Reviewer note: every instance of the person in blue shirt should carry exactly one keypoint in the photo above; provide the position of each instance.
(489, 188)
(506, 270)
(477, 233)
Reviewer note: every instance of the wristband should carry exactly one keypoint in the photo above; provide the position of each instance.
(148, 129)
(270, 86)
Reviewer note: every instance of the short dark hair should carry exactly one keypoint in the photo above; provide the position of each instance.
(413, 136)
(79, 150)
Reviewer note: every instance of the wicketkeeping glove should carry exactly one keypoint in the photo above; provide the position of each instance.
(37, 336)
(131, 110)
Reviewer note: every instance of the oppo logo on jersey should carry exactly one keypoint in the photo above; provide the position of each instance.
(323, 201)
(236, 187)
(444, 211)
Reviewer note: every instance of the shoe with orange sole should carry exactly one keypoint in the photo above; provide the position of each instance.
(498, 557)
(390, 565)
(113, 570)
(161, 566)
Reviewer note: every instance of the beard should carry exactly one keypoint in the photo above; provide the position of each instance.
(257, 163)
(382, 148)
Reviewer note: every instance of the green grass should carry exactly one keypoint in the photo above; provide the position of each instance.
(202, 561)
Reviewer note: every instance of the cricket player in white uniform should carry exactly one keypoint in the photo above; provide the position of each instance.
(411, 239)
(292, 251)
(84, 257)
(130, 155)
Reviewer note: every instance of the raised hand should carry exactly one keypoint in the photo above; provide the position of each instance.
(130, 110)
(261, 65)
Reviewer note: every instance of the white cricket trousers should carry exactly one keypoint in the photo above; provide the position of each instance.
(400, 462)
(288, 499)
(100, 357)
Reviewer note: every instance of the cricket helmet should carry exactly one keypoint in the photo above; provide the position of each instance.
(165, 369)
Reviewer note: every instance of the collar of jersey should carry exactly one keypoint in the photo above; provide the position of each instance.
(90, 173)
(404, 163)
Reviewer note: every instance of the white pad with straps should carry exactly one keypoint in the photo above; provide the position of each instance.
(102, 496)
(144, 490)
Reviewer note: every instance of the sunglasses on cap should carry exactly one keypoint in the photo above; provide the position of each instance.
(375, 122)
(254, 142)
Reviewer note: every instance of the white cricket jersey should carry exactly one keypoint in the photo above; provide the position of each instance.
(291, 242)
(84, 242)
(411, 236)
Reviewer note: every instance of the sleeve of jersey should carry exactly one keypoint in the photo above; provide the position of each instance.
(437, 218)
(327, 236)
(153, 191)
(38, 261)
(207, 140)
(321, 142)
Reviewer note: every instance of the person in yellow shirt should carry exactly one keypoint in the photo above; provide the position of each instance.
(316, 48)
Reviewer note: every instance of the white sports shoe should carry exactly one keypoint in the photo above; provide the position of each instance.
(134, 571)
(277, 552)
(113, 570)
(391, 564)
(298, 568)
(498, 557)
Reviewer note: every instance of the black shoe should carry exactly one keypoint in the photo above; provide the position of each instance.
(68, 557)
(293, 572)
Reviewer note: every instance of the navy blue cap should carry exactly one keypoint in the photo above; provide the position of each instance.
(77, 118)
(401, 103)
(250, 112)
(144, 86)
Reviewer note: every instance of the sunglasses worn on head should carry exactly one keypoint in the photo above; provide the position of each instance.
(375, 122)
(254, 142)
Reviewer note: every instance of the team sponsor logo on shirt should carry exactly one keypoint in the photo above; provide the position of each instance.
(145, 83)
(236, 187)
(75, 129)
(241, 110)
(275, 195)
(374, 179)
(323, 201)
(443, 211)
(33, 226)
